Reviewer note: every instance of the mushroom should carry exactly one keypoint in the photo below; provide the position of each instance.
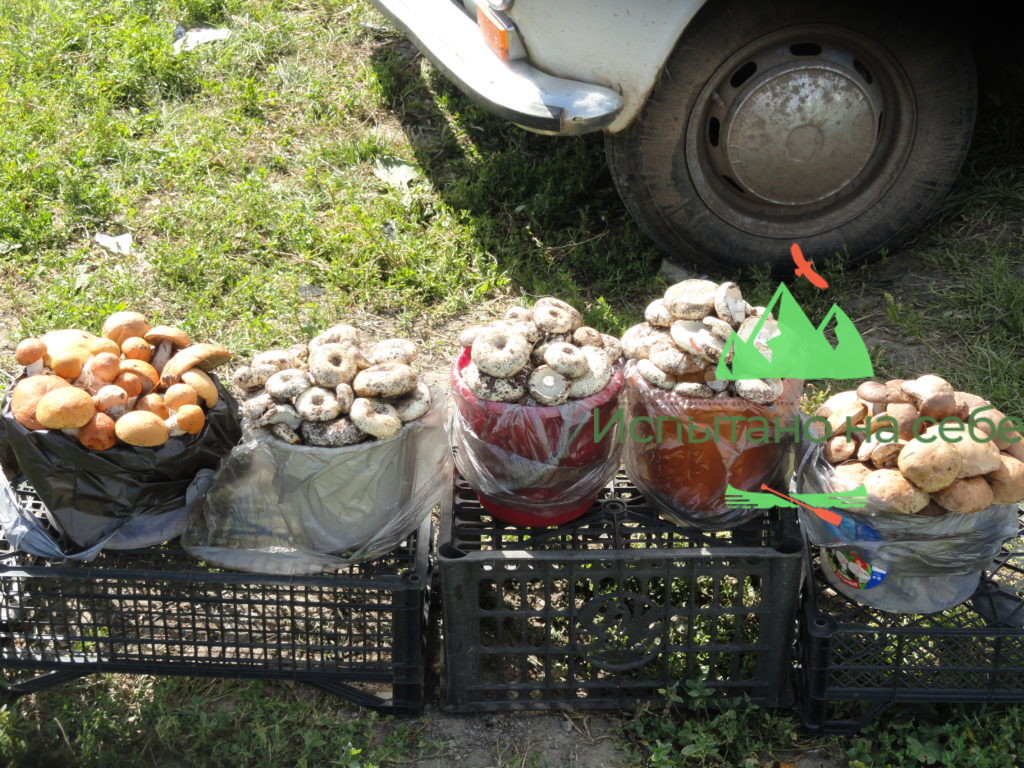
(132, 383)
(891, 491)
(332, 434)
(279, 359)
(142, 428)
(553, 315)
(29, 353)
(99, 344)
(905, 415)
(978, 458)
(931, 466)
(638, 340)
(655, 375)
(98, 371)
(691, 299)
(187, 420)
(729, 304)
(202, 384)
(111, 400)
(137, 348)
(154, 403)
(65, 408)
(411, 406)
(27, 394)
(932, 395)
(839, 448)
(250, 377)
(66, 351)
(657, 314)
(386, 380)
(99, 433)
(147, 374)
(498, 353)
(585, 336)
(375, 417)
(966, 495)
(847, 477)
(180, 394)
(548, 386)
(1007, 482)
(672, 360)
(203, 356)
(876, 392)
(393, 351)
(123, 325)
(167, 340)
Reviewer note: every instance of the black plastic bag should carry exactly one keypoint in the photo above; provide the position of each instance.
(91, 493)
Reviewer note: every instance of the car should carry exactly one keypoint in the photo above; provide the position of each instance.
(733, 128)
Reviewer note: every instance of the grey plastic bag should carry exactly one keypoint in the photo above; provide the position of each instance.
(901, 563)
(295, 509)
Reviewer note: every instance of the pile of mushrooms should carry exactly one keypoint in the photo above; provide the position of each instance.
(337, 390)
(538, 356)
(137, 383)
(903, 473)
(680, 344)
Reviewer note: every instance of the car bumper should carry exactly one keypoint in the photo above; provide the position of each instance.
(514, 91)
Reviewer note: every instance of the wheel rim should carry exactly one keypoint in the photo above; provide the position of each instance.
(800, 131)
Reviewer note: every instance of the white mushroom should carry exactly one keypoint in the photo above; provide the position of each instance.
(317, 404)
(500, 353)
(288, 384)
(375, 417)
(548, 386)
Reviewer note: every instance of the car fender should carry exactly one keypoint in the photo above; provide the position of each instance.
(620, 44)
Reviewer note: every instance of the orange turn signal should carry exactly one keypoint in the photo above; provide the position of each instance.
(496, 31)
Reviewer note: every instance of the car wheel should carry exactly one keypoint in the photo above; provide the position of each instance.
(835, 125)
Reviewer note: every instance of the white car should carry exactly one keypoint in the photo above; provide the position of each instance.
(733, 127)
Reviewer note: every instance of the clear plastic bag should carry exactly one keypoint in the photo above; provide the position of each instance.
(534, 465)
(896, 562)
(686, 479)
(295, 509)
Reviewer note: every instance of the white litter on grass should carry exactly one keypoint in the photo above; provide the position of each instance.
(394, 172)
(186, 40)
(120, 244)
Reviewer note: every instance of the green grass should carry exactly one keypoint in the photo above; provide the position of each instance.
(246, 171)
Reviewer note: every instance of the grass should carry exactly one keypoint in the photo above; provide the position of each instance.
(251, 175)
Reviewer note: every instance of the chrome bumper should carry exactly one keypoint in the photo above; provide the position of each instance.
(514, 91)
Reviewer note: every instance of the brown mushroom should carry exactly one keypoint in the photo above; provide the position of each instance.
(66, 351)
(166, 339)
(876, 392)
(130, 382)
(886, 455)
(978, 458)
(847, 477)
(102, 344)
(29, 353)
(835, 402)
(98, 371)
(111, 400)
(189, 419)
(99, 434)
(203, 356)
(891, 491)
(849, 413)
(966, 495)
(142, 428)
(905, 416)
(123, 325)
(27, 394)
(839, 448)
(930, 466)
(154, 403)
(202, 384)
(1007, 482)
(932, 395)
(65, 408)
(150, 378)
(178, 395)
(137, 348)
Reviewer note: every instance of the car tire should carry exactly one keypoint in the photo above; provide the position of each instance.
(835, 125)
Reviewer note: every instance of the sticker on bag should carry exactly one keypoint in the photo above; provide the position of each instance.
(854, 571)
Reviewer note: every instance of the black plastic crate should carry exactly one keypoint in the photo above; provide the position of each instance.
(358, 633)
(856, 660)
(613, 608)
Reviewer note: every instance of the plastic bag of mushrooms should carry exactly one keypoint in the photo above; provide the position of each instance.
(344, 454)
(691, 434)
(107, 459)
(937, 507)
(526, 390)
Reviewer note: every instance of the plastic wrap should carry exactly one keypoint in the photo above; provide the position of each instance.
(92, 495)
(686, 479)
(295, 509)
(896, 562)
(534, 465)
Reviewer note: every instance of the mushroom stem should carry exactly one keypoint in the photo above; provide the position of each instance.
(163, 353)
(33, 368)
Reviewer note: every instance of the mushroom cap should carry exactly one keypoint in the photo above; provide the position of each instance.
(102, 344)
(190, 419)
(966, 495)
(930, 466)
(29, 351)
(105, 366)
(123, 325)
(202, 384)
(153, 403)
(142, 428)
(130, 382)
(1008, 481)
(137, 348)
(65, 408)
(27, 394)
(978, 458)
(143, 369)
(67, 350)
(167, 333)
(203, 356)
(99, 433)
(848, 476)
(108, 397)
(178, 395)
(891, 491)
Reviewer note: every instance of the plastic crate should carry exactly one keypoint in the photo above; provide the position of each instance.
(973, 652)
(358, 634)
(613, 608)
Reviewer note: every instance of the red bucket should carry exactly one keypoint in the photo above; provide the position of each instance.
(534, 465)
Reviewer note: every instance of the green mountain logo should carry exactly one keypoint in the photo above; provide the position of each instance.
(799, 351)
(854, 499)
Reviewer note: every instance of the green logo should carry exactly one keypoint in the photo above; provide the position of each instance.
(797, 350)
(853, 499)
